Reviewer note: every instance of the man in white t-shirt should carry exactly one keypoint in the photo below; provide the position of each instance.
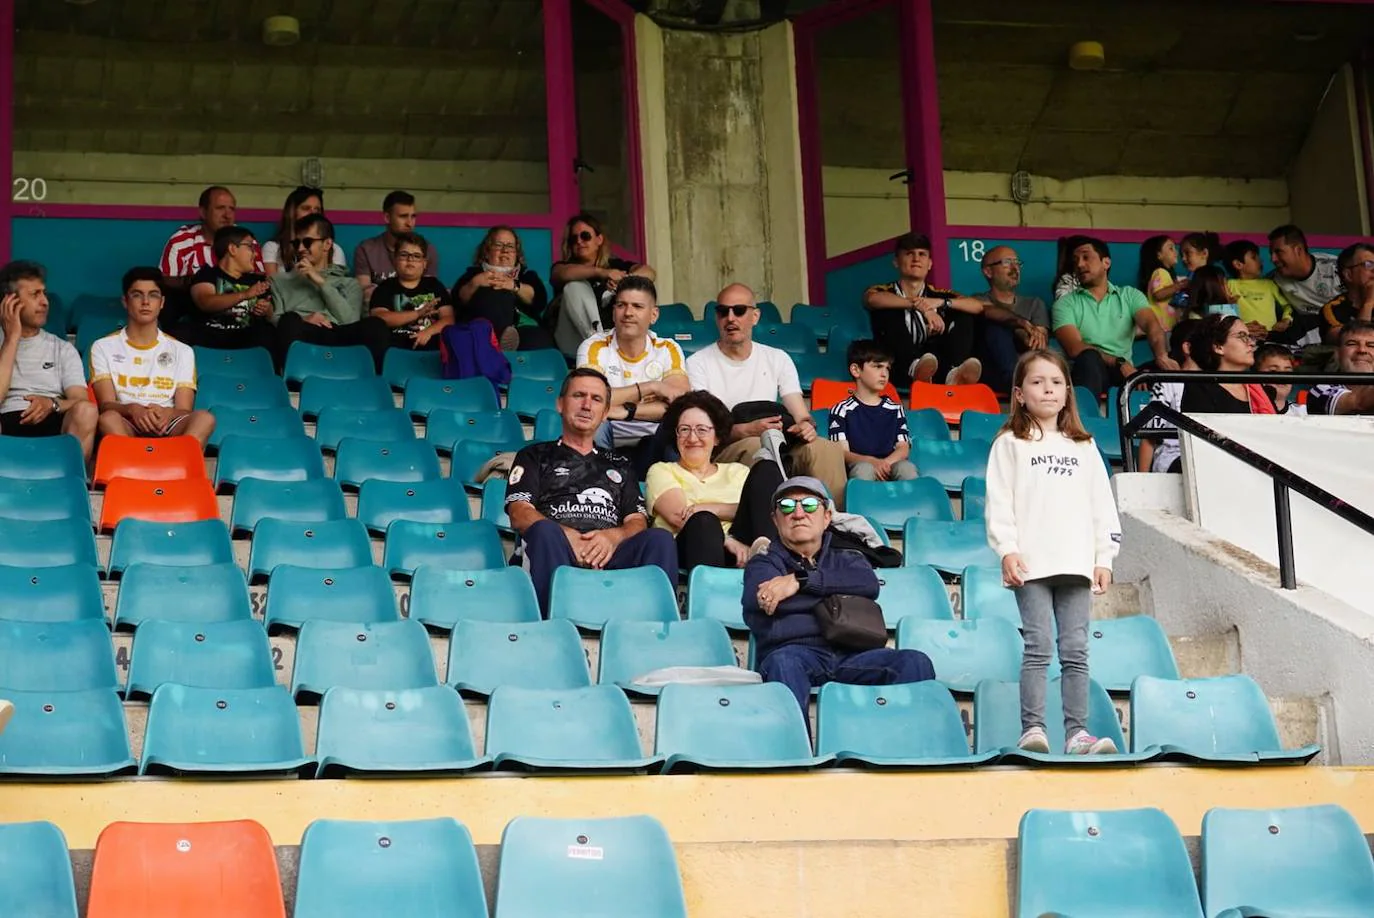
(646, 372)
(144, 380)
(737, 369)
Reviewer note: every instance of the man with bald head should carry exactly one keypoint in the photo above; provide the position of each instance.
(1022, 324)
(745, 375)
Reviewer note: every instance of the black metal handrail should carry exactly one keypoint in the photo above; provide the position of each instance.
(1284, 479)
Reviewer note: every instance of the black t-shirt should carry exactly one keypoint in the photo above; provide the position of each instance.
(595, 491)
(499, 306)
(392, 294)
(240, 315)
(1211, 398)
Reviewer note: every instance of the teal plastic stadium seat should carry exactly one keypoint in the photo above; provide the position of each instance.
(46, 543)
(813, 366)
(443, 428)
(380, 655)
(369, 393)
(625, 868)
(305, 360)
(231, 655)
(92, 328)
(330, 545)
(816, 318)
(768, 312)
(441, 597)
(40, 884)
(542, 363)
(983, 596)
(31, 458)
(690, 334)
(229, 732)
(401, 365)
(947, 547)
(296, 595)
(1125, 862)
(248, 361)
(918, 592)
(403, 460)
(1107, 435)
(241, 392)
(1221, 720)
(426, 868)
(911, 725)
(997, 725)
(470, 455)
(980, 425)
(411, 731)
(927, 424)
(631, 649)
(199, 594)
(965, 653)
(578, 729)
(470, 545)
(732, 728)
(716, 593)
(1141, 352)
(527, 397)
(86, 305)
(318, 500)
(892, 503)
(483, 656)
(44, 499)
(286, 459)
(65, 734)
(548, 425)
(425, 395)
(950, 462)
(675, 312)
(822, 418)
(1120, 649)
(1088, 405)
(263, 423)
(56, 594)
(1301, 861)
(590, 598)
(382, 502)
(796, 340)
(181, 544)
(494, 503)
(973, 495)
(337, 423)
(56, 656)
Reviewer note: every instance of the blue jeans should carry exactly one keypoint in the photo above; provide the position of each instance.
(1000, 354)
(801, 666)
(547, 549)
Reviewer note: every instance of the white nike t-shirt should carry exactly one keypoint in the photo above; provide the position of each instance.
(143, 375)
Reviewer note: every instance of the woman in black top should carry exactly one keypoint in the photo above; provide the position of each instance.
(1223, 343)
(499, 288)
(584, 282)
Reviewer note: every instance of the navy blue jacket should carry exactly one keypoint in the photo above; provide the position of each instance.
(835, 571)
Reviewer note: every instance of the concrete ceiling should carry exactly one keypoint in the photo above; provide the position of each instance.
(1210, 87)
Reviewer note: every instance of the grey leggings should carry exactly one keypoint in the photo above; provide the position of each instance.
(1066, 600)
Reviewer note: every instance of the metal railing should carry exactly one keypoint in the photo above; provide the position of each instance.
(1283, 478)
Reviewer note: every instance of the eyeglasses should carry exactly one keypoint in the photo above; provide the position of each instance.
(701, 431)
(1007, 262)
(1366, 264)
(584, 236)
(739, 312)
(788, 505)
(305, 242)
(138, 296)
(247, 242)
(410, 256)
(1244, 338)
(502, 246)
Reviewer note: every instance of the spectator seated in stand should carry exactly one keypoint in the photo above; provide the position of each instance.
(1023, 324)
(872, 427)
(760, 386)
(1162, 455)
(1262, 305)
(500, 288)
(412, 303)
(1096, 323)
(144, 379)
(584, 282)
(1354, 354)
(718, 511)
(1309, 280)
(318, 302)
(1277, 358)
(374, 259)
(231, 302)
(573, 503)
(646, 373)
(302, 202)
(191, 248)
(1209, 294)
(1356, 302)
(1221, 343)
(42, 385)
(782, 587)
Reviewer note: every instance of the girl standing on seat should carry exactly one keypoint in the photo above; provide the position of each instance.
(1158, 257)
(1052, 520)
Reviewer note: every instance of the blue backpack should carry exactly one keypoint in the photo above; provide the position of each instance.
(468, 349)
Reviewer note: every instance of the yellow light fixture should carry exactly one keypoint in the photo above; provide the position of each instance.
(280, 31)
(1087, 55)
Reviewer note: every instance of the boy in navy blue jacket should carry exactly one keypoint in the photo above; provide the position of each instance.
(783, 585)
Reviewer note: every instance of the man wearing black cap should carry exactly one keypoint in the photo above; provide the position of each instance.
(782, 587)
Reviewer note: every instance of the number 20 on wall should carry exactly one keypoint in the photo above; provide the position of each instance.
(29, 189)
(972, 250)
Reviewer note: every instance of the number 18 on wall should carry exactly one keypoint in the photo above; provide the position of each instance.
(972, 250)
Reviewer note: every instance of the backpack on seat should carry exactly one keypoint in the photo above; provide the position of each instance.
(468, 349)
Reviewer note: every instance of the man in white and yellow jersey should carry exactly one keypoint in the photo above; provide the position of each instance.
(145, 380)
(646, 373)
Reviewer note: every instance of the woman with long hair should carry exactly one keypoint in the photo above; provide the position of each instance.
(301, 202)
(1223, 343)
(584, 282)
(499, 287)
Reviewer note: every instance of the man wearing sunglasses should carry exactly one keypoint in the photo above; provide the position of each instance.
(1356, 302)
(1022, 323)
(318, 301)
(782, 587)
(233, 302)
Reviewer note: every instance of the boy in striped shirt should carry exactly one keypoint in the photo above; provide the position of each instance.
(872, 426)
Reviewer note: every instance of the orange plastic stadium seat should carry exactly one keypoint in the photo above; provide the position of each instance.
(185, 870)
(951, 401)
(827, 393)
(147, 458)
(174, 501)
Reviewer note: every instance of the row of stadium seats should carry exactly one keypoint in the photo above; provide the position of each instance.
(425, 729)
(614, 868)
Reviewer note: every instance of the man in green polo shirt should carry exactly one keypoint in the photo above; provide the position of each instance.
(1096, 324)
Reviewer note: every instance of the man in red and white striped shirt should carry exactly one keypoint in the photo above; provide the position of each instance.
(191, 247)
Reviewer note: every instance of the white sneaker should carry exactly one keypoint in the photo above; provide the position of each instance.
(923, 368)
(771, 448)
(1084, 743)
(1034, 740)
(966, 373)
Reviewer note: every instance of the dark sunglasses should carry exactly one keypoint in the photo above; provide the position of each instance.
(584, 236)
(304, 242)
(788, 505)
(738, 311)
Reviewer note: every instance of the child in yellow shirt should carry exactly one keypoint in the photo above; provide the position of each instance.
(1262, 305)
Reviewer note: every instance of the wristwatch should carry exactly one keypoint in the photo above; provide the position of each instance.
(630, 408)
(56, 406)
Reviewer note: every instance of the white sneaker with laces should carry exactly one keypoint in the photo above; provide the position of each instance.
(923, 368)
(1034, 740)
(1084, 743)
(966, 373)
(771, 448)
